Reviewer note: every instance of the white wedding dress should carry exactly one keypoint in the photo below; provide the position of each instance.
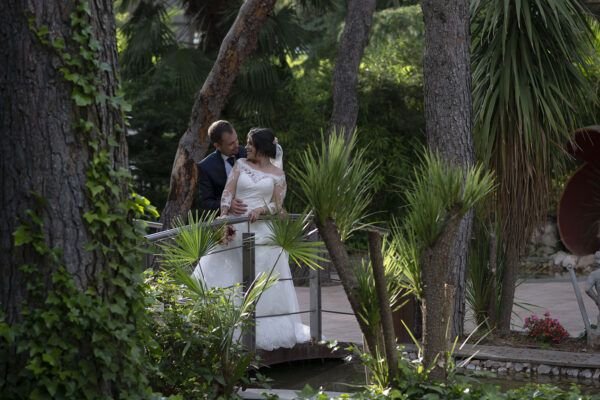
(224, 268)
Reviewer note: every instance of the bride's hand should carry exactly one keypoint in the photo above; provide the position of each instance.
(254, 214)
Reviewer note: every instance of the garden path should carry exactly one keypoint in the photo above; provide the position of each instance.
(538, 295)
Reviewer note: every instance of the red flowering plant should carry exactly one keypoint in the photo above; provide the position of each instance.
(546, 329)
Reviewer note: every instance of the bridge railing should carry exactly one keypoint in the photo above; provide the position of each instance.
(249, 273)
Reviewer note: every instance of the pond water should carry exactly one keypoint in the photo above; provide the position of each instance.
(341, 376)
(332, 375)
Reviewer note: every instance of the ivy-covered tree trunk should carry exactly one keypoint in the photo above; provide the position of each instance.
(237, 46)
(44, 157)
(353, 41)
(64, 232)
(447, 76)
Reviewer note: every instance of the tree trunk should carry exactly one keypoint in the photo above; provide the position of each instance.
(493, 262)
(237, 46)
(385, 309)
(43, 156)
(438, 296)
(594, 7)
(447, 76)
(345, 75)
(340, 260)
(507, 296)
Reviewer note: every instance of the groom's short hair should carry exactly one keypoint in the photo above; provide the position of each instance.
(217, 129)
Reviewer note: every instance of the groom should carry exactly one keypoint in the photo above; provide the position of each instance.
(216, 167)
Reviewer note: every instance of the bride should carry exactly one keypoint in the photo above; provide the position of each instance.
(259, 183)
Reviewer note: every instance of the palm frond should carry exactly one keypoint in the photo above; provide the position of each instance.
(254, 93)
(148, 36)
(440, 192)
(401, 254)
(320, 6)
(212, 19)
(292, 236)
(186, 67)
(529, 87)
(194, 240)
(337, 182)
(261, 283)
(282, 34)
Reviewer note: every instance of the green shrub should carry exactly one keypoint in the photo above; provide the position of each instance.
(196, 352)
(413, 383)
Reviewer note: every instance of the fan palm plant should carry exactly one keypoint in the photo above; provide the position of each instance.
(529, 85)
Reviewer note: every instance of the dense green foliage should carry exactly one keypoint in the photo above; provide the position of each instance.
(293, 97)
(466, 390)
(336, 181)
(414, 383)
(195, 330)
(532, 87)
(197, 350)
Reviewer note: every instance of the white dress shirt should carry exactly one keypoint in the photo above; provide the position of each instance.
(228, 166)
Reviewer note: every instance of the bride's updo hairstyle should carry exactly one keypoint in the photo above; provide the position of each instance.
(263, 141)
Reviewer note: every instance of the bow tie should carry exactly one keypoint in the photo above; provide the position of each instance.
(231, 161)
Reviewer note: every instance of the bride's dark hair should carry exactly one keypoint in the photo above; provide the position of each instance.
(263, 141)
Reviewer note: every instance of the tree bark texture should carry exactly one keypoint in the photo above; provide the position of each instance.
(438, 293)
(493, 261)
(44, 159)
(448, 120)
(385, 309)
(340, 260)
(509, 281)
(353, 41)
(238, 45)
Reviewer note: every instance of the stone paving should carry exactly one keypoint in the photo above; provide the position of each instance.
(538, 296)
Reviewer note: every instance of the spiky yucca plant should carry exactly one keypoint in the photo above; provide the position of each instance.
(401, 253)
(336, 181)
(291, 235)
(529, 85)
(402, 273)
(437, 200)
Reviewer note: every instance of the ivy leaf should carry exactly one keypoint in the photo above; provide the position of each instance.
(81, 100)
(105, 67)
(22, 236)
(58, 44)
(49, 358)
(95, 189)
(43, 31)
(90, 216)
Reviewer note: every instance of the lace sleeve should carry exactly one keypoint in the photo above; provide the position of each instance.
(279, 192)
(229, 191)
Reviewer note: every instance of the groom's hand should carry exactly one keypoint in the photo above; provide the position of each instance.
(238, 207)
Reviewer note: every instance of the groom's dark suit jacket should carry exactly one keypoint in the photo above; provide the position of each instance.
(212, 179)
